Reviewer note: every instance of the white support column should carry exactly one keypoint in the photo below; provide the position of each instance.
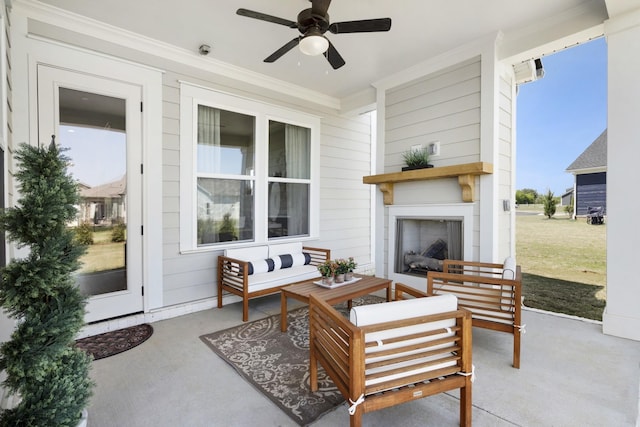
(622, 313)
(489, 124)
(380, 210)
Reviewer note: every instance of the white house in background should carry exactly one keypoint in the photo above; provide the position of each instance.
(459, 92)
(103, 204)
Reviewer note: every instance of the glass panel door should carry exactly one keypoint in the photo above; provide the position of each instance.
(97, 121)
(93, 129)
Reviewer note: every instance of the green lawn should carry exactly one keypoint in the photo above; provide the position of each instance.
(103, 254)
(563, 263)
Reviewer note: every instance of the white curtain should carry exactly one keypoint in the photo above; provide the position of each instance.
(208, 139)
(298, 156)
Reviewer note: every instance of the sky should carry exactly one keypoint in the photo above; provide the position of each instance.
(98, 156)
(560, 115)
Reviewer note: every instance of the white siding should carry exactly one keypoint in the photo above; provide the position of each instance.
(345, 202)
(345, 147)
(344, 199)
(443, 106)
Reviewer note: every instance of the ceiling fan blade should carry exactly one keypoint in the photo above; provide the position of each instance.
(320, 7)
(334, 57)
(362, 26)
(284, 49)
(264, 17)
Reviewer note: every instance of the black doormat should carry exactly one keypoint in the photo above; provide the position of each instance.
(114, 342)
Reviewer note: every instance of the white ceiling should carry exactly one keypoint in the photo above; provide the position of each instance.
(420, 30)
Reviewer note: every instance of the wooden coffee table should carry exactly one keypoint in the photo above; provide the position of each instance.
(301, 291)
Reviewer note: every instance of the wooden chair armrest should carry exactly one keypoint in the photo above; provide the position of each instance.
(232, 271)
(318, 255)
(336, 343)
(402, 289)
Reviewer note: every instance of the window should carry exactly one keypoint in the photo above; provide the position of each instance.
(225, 174)
(247, 171)
(289, 180)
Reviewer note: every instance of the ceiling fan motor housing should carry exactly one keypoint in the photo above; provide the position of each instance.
(308, 20)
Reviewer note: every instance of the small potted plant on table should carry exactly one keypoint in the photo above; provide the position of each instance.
(341, 270)
(327, 270)
(351, 265)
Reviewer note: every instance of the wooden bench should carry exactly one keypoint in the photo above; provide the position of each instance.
(491, 292)
(377, 362)
(244, 272)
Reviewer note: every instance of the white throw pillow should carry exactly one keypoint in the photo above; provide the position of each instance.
(509, 268)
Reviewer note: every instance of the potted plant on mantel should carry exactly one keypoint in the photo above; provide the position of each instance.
(416, 159)
(47, 375)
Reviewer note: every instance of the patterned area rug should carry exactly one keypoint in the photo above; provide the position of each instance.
(114, 342)
(277, 363)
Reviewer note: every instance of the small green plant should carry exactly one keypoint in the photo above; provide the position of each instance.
(415, 158)
(569, 208)
(84, 234)
(328, 268)
(342, 266)
(118, 234)
(351, 264)
(549, 202)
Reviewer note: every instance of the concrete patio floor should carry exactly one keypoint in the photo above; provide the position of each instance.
(571, 375)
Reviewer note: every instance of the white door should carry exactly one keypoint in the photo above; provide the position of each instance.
(98, 121)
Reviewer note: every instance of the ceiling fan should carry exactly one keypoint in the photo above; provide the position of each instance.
(312, 24)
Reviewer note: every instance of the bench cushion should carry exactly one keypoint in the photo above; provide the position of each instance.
(399, 310)
(285, 248)
(248, 254)
(285, 276)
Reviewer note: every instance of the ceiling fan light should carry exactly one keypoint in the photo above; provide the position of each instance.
(313, 45)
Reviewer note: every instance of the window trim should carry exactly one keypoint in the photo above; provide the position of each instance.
(190, 97)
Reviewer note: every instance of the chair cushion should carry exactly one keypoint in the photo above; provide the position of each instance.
(285, 276)
(285, 248)
(248, 254)
(405, 309)
(509, 268)
(399, 310)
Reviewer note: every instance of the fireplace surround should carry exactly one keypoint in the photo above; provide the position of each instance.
(420, 236)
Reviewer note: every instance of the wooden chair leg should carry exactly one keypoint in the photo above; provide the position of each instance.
(245, 309)
(355, 420)
(516, 348)
(465, 405)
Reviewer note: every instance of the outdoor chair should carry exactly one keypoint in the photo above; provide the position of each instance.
(491, 292)
(390, 353)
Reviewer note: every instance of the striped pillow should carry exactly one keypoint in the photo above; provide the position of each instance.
(292, 260)
(261, 266)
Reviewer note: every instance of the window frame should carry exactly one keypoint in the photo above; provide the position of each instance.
(190, 97)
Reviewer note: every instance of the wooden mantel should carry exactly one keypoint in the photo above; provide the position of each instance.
(465, 173)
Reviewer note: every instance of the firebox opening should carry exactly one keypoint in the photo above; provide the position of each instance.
(422, 244)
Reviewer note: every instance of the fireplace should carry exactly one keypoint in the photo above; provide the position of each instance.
(422, 244)
(421, 236)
